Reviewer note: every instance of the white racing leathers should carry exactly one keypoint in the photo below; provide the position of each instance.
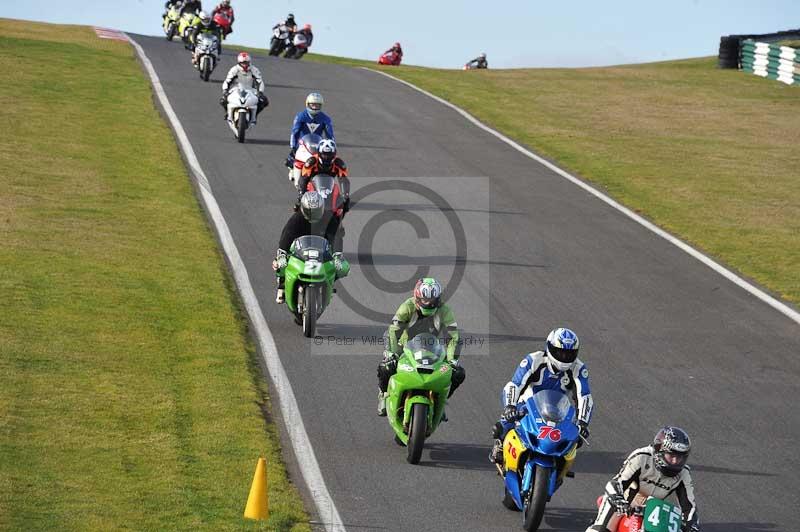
(251, 78)
(639, 476)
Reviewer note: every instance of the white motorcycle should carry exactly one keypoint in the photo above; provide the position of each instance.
(306, 148)
(298, 47)
(242, 107)
(280, 39)
(206, 49)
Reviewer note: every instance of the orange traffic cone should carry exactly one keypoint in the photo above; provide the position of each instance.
(258, 500)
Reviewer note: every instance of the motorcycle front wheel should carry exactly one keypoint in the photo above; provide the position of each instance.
(171, 31)
(241, 127)
(311, 293)
(416, 438)
(534, 505)
(206, 70)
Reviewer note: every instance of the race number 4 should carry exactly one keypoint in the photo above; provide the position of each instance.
(549, 432)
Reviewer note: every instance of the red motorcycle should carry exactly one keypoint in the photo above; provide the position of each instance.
(390, 57)
(224, 19)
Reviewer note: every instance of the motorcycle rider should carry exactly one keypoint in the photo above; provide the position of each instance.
(225, 8)
(325, 161)
(398, 50)
(556, 368)
(658, 470)
(192, 6)
(204, 24)
(309, 120)
(423, 312)
(308, 34)
(310, 219)
(289, 23)
(478, 62)
(247, 75)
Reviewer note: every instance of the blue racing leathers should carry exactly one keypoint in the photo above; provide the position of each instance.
(534, 374)
(304, 124)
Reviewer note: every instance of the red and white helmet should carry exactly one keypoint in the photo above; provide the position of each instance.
(244, 61)
(307, 27)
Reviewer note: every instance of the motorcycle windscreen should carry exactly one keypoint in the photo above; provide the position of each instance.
(426, 348)
(311, 247)
(309, 145)
(552, 405)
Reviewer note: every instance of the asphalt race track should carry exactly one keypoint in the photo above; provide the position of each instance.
(522, 250)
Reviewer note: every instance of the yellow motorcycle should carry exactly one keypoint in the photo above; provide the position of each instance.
(186, 28)
(171, 22)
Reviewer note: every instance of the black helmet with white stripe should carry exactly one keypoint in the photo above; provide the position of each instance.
(672, 446)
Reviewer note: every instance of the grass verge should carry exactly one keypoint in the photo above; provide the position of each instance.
(709, 155)
(130, 395)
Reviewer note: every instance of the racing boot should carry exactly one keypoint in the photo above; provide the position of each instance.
(496, 455)
(382, 403)
(280, 297)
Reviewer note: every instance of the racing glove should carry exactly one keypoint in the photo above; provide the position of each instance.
(290, 160)
(583, 428)
(509, 414)
(223, 100)
(619, 503)
(694, 527)
(280, 261)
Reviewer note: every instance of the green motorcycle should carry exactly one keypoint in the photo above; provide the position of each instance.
(310, 274)
(417, 393)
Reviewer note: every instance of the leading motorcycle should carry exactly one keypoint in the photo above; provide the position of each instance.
(417, 393)
(538, 453)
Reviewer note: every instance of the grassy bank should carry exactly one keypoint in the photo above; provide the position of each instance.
(710, 155)
(130, 396)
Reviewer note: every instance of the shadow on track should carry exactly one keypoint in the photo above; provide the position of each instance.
(374, 206)
(379, 259)
(738, 527)
(458, 456)
(569, 519)
(269, 142)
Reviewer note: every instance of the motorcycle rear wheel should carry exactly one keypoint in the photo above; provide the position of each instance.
(534, 505)
(416, 437)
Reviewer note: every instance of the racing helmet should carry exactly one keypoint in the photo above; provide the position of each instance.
(226, 3)
(671, 446)
(244, 61)
(397, 45)
(561, 349)
(314, 103)
(307, 27)
(327, 152)
(312, 206)
(205, 18)
(290, 18)
(428, 296)
(483, 55)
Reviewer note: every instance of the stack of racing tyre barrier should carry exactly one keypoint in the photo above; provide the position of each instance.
(730, 46)
(771, 61)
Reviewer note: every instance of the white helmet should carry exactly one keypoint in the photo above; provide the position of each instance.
(314, 103)
(483, 55)
(562, 349)
(205, 18)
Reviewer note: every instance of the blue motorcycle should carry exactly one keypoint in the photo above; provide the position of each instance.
(538, 453)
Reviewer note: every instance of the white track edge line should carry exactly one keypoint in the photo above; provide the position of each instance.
(781, 307)
(307, 460)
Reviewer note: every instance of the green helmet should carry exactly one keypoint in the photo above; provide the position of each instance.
(428, 296)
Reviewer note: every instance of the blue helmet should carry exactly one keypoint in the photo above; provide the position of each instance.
(562, 349)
